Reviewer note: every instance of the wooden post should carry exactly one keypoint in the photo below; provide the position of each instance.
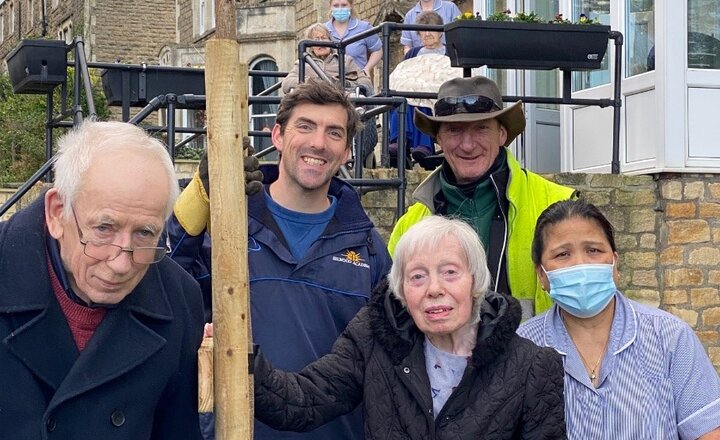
(226, 88)
(205, 376)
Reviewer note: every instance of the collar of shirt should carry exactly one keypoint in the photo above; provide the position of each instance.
(437, 4)
(352, 24)
(622, 334)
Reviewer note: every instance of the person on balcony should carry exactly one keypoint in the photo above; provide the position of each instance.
(417, 143)
(481, 181)
(100, 331)
(343, 24)
(446, 9)
(329, 61)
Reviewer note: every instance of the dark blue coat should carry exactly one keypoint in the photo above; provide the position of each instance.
(136, 378)
(300, 307)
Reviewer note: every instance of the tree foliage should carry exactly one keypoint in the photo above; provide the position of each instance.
(22, 126)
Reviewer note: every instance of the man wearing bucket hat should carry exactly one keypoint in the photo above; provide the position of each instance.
(482, 182)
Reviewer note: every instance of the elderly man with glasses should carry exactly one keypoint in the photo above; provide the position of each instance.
(481, 181)
(99, 331)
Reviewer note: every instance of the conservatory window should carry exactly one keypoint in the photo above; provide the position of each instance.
(640, 32)
(703, 34)
(600, 10)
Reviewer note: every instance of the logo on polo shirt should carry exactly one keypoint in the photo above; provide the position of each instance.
(351, 257)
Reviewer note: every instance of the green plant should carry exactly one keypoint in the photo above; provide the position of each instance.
(530, 17)
(500, 16)
(22, 127)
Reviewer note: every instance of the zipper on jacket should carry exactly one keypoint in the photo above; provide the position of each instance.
(505, 232)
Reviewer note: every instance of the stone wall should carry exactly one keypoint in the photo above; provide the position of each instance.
(132, 33)
(667, 229)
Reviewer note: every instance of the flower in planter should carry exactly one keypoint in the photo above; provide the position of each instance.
(559, 19)
(522, 17)
(584, 19)
(467, 16)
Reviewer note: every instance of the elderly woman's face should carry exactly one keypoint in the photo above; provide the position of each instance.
(437, 284)
(574, 241)
(320, 52)
(430, 39)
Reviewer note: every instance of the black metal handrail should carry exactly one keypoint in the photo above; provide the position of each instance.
(385, 99)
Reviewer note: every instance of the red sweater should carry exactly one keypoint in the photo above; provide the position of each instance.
(82, 320)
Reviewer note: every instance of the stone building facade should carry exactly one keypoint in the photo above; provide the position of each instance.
(131, 31)
(266, 30)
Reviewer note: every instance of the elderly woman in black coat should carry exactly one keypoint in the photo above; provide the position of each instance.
(434, 355)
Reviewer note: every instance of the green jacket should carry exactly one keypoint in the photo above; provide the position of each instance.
(528, 195)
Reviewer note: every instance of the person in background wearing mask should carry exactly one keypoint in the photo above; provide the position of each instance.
(631, 371)
(344, 24)
(446, 9)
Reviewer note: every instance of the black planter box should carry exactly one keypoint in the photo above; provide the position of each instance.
(145, 83)
(510, 45)
(37, 66)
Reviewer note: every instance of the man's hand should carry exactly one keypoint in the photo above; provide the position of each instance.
(253, 175)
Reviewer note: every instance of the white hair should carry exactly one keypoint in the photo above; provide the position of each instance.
(428, 233)
(78, 147)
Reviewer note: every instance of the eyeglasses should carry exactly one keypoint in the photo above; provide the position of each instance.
(465, 104)
(103, 251)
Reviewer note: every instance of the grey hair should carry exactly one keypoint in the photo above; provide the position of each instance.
(317, 27)
(428, 233)
(78, 147)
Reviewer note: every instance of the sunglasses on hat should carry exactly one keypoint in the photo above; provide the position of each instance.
(452, 105)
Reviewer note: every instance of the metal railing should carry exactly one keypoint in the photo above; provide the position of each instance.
(383, 101)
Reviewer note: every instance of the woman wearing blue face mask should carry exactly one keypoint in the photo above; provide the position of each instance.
(631, 371)
(344, 24)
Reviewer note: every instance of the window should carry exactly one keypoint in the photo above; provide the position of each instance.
(2, 27)
(65, 32)
(205, 16)
(600, 10)
(201, 17)
(640, 32)
(703, 34)
(262, 116)
(11, 19)
(31, 14)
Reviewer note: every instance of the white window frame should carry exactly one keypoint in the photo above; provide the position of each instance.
(205, 10)
(65, 31)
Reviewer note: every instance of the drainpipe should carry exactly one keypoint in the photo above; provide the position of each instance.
(43, 22)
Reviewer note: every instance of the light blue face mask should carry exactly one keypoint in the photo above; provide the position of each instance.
(583, 290)
(341, 14)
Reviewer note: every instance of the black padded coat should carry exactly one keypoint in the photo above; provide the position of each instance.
(511, 388)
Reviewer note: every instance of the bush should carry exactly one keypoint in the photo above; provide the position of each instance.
(22, 127)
